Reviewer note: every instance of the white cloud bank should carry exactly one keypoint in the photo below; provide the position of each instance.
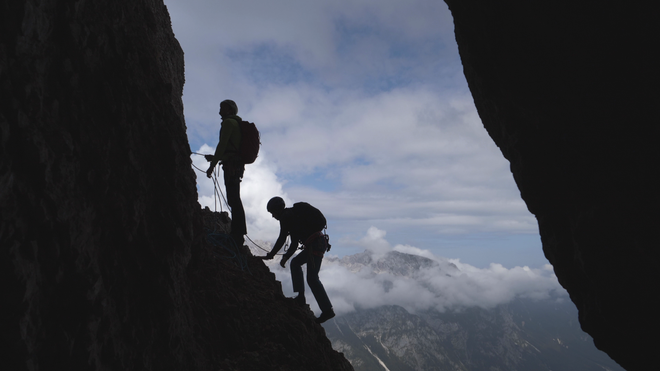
(445, 284)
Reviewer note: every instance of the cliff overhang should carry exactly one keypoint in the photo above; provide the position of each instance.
(568, 91)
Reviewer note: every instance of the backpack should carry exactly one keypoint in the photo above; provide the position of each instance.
(250, 142)
(312, 217)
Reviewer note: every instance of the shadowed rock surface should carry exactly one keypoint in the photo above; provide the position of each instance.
(568, 91)
(104, 260)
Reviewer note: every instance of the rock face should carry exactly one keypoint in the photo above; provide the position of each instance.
(568, 91)
(104, 262)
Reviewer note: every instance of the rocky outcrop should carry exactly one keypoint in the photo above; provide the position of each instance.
(568, 91)
(104, 262)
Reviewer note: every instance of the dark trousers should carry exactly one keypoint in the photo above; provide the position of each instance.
(233, 185)
(313, 267)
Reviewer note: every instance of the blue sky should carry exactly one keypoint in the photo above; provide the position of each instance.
(364, 112)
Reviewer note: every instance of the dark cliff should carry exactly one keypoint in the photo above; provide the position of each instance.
(568, 90)
(104, 262)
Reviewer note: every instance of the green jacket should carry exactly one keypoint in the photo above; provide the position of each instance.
(230, 139)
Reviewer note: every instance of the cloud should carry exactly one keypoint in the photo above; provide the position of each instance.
(404, 154)
(417, 285)
(336, 40)
(375, 242)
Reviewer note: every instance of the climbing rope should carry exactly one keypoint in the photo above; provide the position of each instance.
(285, 248)
(217, 192)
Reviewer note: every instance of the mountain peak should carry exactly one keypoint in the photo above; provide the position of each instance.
(395, 263)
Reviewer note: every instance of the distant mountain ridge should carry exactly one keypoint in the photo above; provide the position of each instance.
(394, 262)
(523, 335)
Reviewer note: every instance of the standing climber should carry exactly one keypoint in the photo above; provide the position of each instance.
(227, 153)
(305, 224)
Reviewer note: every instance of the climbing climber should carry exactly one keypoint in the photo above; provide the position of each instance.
(305, 224)
(227, 153)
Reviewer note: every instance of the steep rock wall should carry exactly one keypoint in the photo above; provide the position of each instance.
(568, 91)
(103, 263)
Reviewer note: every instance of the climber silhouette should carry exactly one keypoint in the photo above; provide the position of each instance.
(305, 224)
(233, 167)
